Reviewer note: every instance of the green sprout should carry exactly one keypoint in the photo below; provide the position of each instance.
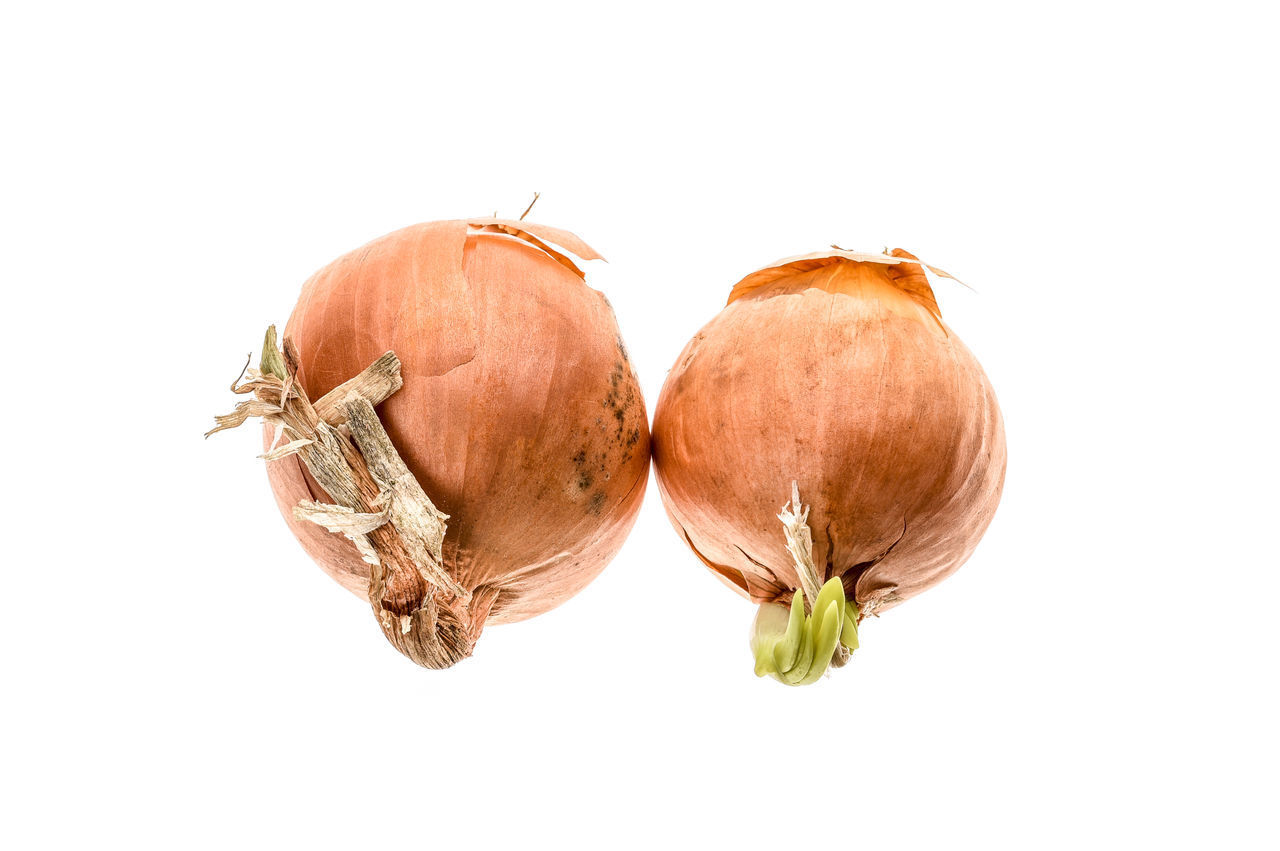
(272, 362)
(797, 648)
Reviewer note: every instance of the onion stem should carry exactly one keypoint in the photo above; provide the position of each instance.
(795, 524)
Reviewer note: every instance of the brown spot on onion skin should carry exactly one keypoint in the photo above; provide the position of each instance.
(840, 375)
(506, 357)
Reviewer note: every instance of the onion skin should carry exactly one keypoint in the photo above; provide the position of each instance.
(839, 375)
(520, 415)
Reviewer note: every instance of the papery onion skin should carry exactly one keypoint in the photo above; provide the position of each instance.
(520, 414)
(841, 376)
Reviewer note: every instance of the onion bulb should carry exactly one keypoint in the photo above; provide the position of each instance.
(830, 377)
(508, 461)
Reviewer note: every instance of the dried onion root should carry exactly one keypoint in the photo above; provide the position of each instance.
(503, 390)
(830, 375)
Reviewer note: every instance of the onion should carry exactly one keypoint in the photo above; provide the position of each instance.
(830, 376)
(519, 416)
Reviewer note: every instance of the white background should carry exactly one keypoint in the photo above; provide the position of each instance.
(1101, 674)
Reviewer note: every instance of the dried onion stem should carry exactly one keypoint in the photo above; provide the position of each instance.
(378, 504)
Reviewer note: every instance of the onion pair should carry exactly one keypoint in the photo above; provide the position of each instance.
(507, 458)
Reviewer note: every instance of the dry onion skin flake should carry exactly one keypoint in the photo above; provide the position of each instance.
(830, 376)
(453, 429)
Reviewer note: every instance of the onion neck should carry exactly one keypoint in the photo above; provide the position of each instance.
(796, 646)
(437, 634)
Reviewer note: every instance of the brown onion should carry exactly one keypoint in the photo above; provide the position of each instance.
(833, 371)
(519, 416)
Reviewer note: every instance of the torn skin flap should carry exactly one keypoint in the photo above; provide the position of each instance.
(539, 236)
(904, 269)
